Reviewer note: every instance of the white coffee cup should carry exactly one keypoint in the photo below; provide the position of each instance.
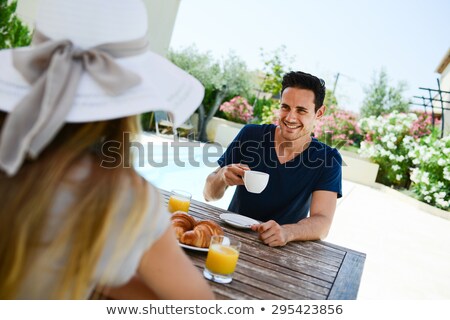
(255, 181)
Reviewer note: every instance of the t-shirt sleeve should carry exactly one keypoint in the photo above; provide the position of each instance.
(233, 152)
(120, 259)
(331, 174)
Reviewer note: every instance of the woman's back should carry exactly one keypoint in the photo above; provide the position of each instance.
(75, 214)
(61, 210)
(122, 252)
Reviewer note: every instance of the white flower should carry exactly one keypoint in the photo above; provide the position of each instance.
(444, 204)
(446, 173)
(395, 167)
(441, 162)
(400, 158)
(366, 150)
(426, 157)
(414, 175)
(425, 178)
(391, 145)
(438, 144)
(384, 152)
(408, 139)
(398, 177)
(439, 195)
(427, 199)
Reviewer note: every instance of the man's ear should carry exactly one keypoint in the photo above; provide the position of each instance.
(321, 112)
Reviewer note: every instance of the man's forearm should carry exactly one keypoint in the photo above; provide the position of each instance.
(317, 225)
(312, 228)
(214, 187)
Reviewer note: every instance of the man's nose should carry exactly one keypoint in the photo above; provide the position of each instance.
(291, 116)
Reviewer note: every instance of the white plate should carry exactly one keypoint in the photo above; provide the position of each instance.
(238, 221)
(192, 247)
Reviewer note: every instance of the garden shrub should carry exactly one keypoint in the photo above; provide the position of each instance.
(338, 127)
(237, 109)
(406, 146)
(431, 172)
(384, 144)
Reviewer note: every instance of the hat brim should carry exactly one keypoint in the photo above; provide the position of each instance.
(164, 87)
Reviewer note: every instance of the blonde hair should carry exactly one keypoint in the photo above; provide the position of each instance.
(28, 197)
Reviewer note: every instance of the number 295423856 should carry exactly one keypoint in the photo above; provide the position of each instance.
(307, 309)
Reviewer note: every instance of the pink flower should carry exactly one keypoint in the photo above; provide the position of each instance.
(237, 109)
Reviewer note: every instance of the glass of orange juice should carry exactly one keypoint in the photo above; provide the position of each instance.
(179, 201)
(222, 258)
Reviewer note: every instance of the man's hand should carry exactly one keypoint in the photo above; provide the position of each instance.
(233, 173)
(271, 233)
(219, 180)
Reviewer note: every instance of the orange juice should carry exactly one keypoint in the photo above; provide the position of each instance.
(221, 259)
(178, 204)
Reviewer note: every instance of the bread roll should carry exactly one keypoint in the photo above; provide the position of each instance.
(182, 222)
(201, 235)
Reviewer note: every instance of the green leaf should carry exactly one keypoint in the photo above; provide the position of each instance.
(13, 33)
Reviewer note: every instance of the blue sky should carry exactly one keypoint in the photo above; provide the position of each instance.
(354, 38)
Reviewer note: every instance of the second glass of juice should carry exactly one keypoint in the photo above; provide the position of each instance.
(222, 259)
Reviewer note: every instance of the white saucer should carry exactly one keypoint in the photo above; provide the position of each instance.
(238, 221)
(192, 247)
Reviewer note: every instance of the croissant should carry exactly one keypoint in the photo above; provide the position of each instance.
(182, 222)
(201, 235)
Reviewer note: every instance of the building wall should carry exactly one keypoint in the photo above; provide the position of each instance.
(445, 85)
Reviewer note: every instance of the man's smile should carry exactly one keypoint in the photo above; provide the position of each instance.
(292, 126)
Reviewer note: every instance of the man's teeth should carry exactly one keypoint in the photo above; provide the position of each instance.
(291, 126)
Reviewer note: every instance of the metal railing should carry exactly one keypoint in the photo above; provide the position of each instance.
(434, 95)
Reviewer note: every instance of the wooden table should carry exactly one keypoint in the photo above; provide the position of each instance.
(297, 271)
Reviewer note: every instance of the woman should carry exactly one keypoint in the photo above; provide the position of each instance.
(71, 220)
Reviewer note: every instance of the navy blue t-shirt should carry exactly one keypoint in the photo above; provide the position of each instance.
(287, 197)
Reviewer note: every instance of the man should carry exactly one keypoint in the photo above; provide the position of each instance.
(305, 174)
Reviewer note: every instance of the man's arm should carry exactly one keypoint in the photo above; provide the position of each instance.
(315, 227)
(219, 180)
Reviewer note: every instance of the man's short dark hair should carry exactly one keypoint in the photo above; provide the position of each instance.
(302, 80)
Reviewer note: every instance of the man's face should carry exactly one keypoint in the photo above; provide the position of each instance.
(297, 115)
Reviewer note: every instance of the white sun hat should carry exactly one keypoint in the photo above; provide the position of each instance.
(89, 61)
